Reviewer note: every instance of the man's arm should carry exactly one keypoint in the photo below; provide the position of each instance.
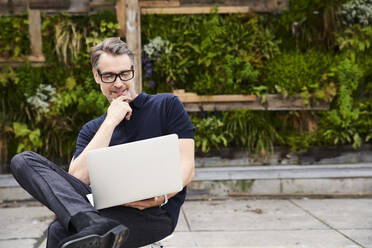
(187, 155)
(117, 111)
(188, 171)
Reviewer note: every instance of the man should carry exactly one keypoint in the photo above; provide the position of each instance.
(129, 117)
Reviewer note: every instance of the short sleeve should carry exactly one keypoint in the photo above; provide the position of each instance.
(87, 133)
(178, 121)
(82, 141)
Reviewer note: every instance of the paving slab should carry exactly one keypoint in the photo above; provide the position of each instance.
(340, 213)
(270, 239)
(17, 243)
(182, 224)
(327, 186)
(180, 240)
(14, 194)
(244, 215)
(363, 237)
(231, 223)
(24, 222)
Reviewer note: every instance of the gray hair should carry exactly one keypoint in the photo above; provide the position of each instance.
(113, 46)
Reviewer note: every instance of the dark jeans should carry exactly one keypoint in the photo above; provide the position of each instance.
(65, 195)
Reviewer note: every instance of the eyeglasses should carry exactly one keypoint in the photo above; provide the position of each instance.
(110, 77)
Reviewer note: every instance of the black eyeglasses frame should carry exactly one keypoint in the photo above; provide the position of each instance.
(116, 75)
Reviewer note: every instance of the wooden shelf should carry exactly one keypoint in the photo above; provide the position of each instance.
(35, 61)
(274, 102)
(195, 10)
(148, 6)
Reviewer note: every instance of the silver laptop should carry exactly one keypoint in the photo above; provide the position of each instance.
(134, 171)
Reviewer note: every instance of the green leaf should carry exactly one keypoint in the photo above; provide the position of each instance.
(20, 148)
(20, 129)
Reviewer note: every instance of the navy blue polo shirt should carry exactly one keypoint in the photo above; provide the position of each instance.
(152, 116)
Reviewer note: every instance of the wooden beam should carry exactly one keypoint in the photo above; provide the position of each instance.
(48, 4)
(159, 3)
(120, 16)
(34, 29)
(35, 61)
(195, 98)
(133, 37)
(274, 102)
(195, 10)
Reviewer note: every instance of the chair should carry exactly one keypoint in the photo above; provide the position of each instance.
(160, 243)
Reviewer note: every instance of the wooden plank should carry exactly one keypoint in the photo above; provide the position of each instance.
(133, 36)
(200, 107)
(159, 3)
(266, 5)
(100, 4)
(49, 4)
(120, 15)
(13, 7)
(35, 61)
(255, 5)
(274, 102)
(286, 106)
(79, 7)
(195, 10)
(195, 98)
(34, 29)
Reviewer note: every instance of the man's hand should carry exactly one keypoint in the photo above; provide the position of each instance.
(119, 109)
(148, 203)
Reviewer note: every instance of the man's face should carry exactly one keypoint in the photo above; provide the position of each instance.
(108, 66)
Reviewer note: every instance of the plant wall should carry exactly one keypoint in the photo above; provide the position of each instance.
(318, 49)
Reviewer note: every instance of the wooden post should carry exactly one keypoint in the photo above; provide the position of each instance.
(133, 37)
(120, 15)
(34, 29)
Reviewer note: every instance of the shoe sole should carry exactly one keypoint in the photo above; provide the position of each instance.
(112, 239)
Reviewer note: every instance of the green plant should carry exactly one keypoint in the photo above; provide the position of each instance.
(294, 73)
(106, 30)
(14, 37)
(339, 124)
(216, 53)
(67, 40)
(299, 142)
(28, 139)
(252, 130)
(356, 39)
(357, 12)
(364, 122)
(209, 134)
(308, 24)
(5, 131)
(44, 107)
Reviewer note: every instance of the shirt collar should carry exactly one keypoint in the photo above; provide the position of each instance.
(139, 100)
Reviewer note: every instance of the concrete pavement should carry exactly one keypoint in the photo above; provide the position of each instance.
(229, 222)
(275, 223)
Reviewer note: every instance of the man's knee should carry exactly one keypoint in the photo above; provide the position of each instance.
(21, 160)
(18, 161)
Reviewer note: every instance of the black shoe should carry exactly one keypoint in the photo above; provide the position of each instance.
(100, 233)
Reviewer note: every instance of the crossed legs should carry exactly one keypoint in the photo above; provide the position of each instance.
(65, 195)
